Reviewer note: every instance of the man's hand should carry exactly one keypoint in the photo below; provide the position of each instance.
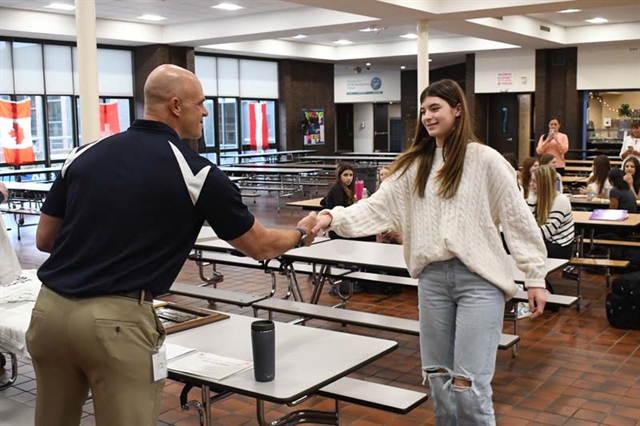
(322, 222)
(5, 193)
(537, 300)
(308, 223)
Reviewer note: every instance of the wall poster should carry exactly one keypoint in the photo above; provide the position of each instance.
(313, 126)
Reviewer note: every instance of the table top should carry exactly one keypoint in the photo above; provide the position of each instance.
(268, 170)
(376, 256)
(590, 162)
(572, 179)
(287, 165)
(370, 154)
(307, 358)
(267, 153)
(311, 204)
(370, 158)
(582, 218)
(28, 186)
(30, 171)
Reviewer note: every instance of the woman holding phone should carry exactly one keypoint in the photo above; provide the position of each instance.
(554, 142)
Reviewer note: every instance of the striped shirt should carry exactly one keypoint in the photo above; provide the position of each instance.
(558, 228)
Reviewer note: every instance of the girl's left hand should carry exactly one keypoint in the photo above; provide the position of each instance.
(628, 178)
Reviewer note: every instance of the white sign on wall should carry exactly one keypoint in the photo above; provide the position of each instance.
(364, 85)
(504, 79)
(369, 86)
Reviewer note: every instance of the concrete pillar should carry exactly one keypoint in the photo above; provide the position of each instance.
(88, 69)
(423, 56)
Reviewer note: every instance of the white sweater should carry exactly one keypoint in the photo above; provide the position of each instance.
(465, 226)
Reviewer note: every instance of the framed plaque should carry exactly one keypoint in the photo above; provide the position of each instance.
(176, 317)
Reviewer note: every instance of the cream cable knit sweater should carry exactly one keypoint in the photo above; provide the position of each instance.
(465, 226)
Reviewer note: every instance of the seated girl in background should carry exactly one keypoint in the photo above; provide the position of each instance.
(551, 161)
(342, 193)
(389, 236)
(552, 211)
(621, 197)
(513, 160)
(529, 165)
(599, 178)
(631, 167)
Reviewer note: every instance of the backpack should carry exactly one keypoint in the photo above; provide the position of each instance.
(623, 303)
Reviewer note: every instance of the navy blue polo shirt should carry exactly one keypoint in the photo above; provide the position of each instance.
(132, 205)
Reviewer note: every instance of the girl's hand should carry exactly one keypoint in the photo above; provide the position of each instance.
(628, 178)
(583, 190)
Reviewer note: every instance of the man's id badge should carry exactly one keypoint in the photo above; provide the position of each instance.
(159, 363)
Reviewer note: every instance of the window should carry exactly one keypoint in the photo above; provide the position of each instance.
(124, 111)
(253, 114)
(209, 127)
(60, 125)
(228, 122)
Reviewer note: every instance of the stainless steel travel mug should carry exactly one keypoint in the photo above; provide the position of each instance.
(263, 342)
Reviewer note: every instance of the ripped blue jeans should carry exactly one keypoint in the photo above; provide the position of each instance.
(460, 325)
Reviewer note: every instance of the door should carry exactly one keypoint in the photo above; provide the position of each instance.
(344, 127)
(380, 127)
(502, 111)
(396, 136)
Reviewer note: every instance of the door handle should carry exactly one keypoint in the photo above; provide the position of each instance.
(380, 133)
(509, 139)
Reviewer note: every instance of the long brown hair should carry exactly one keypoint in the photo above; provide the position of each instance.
(424, 146)
(601, 167)
(351, 189)
(546, 159)
(525, 174)
(546, 182)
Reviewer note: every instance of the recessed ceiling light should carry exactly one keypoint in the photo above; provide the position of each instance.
(61, 6)
(402, 67)
(570, 11)
(368, 64)
(597, 20)
(367, 30)
(430, 60)
(151, 17)
(412, 36)
(227, 6)
(299, 36)
(343, 42)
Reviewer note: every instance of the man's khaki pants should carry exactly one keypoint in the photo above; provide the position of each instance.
(100, 343)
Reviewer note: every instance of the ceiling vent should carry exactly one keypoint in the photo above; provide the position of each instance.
(545, 29)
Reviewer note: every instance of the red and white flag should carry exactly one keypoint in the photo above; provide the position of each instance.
(15, 132)
(109, 123)
(258, 129)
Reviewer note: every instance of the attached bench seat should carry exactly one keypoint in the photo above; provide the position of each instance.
(383, 279)
(613, 243)
(552, 299)
(216, 295)
(374, 395)
(357, 318)
(590, 261)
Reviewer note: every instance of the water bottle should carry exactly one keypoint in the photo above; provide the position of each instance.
(263, 342)
(359, 189)
(590, 193)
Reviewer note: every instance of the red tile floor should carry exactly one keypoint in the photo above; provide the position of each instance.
(572, 367)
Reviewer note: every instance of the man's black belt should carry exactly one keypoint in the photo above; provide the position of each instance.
(138, 295)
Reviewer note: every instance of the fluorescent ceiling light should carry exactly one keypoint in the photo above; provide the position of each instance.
(597, 20)
(570, 11)
(227, 6)
(343, 42)
(412, 36)
(367, 30)
(368, 64)
(151, 17)
(299, 36)
(61, 6)
(402, 67)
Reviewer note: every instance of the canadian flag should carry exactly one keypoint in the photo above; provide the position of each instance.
(109, 123)
(258, 129)
(15, 132)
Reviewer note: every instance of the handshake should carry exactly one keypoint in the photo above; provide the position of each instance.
(314, 224)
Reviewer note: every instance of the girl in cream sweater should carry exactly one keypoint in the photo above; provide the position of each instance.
(447, 195)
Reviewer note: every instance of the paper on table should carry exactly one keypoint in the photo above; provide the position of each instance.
(210, 366)
(174, 351)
